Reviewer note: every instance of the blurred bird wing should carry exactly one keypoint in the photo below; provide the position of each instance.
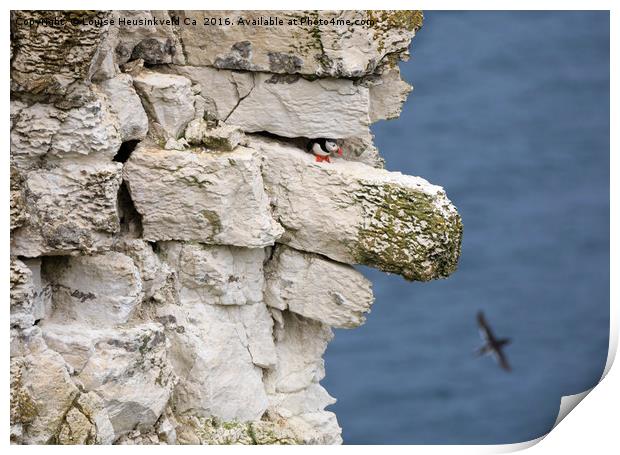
(483, 328)
(502, 360)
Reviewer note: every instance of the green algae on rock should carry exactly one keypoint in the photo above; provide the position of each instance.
(214, 431)
(411, 20)
(408, 232)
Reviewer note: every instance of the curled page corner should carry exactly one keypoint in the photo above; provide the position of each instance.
(517, 446)
(567, 404)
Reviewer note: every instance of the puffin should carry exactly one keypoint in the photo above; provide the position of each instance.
(492, 345)
(322, 148)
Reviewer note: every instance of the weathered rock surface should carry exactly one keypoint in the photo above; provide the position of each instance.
(291, 106)
(31, 295)
(387, 95)
(293, 387)
(215, 198)
(326, 49)
(362, 149)
(41, 394)
(213, 431)
(87, 422)
(126, 105)
(159, 281)
(168, 100)
(317, 288)
(127, 368)
(99, 290)
(43, 131)
(21, 294)
(219, 377)
(221, 138)
(18, 212)
(359, 214)
(70, 207)
(221, 89)
(153, 43)
(47, 59)
(216, 275)
(294, 107)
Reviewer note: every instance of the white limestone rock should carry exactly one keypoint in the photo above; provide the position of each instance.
(100, 290)
(193, 132)
(229, 276)
(387, 94)
(18, 211)
(216, 274)
(312, 398)
(31, 294)
(71, 207)
(76, 429)
(221, 138)
(213, 356)
(30, 298)
(290, 106)
(214, 198)
(42, 304)
(176, 144)
(22, 338)
(126, 105)
(328, 48)
(317, 427)
(22, 295)
(155, 44)
(44, 131)
(310, 285)
(362, 149)
(49, 59)
(166, 431)
(168, 100)
(293, 386)
(93, 408)
(42, 392)
(360, 214)
(221, 89)
(159, 281)
(213, 431)
(127, 368)
(87, 422)
(258, 326)
(300, 344)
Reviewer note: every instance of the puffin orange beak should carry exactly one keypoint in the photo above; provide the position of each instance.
(339, 151)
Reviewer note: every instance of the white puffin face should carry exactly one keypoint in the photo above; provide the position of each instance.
(331, 146)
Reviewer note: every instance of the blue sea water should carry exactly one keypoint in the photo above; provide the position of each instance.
(510, 114)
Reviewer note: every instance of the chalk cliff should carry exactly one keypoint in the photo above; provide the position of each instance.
(178, 260)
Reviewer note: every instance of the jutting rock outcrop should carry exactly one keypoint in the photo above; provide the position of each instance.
(178, 260)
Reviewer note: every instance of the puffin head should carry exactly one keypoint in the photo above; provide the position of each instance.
(332, 146)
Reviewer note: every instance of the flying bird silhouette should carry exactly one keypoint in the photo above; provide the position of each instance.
(492, 345)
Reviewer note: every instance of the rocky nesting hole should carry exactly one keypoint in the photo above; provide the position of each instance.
(125, 151)
(129, 218)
